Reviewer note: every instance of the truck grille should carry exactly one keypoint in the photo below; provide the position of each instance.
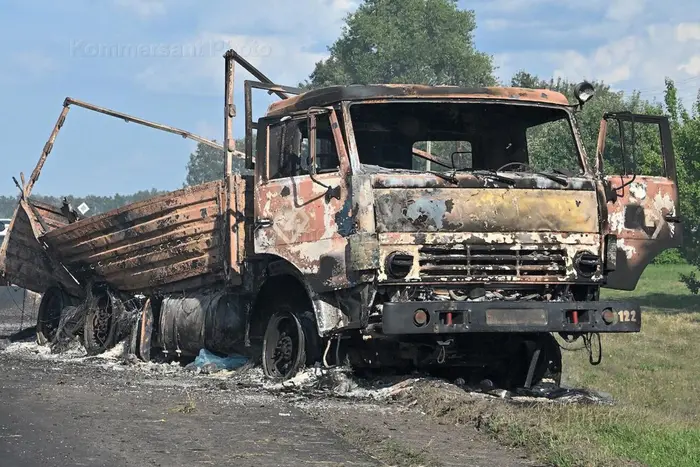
(483, 262)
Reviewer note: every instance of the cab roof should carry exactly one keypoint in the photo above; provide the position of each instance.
(334, 94)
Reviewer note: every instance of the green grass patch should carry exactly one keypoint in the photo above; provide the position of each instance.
(652, 445)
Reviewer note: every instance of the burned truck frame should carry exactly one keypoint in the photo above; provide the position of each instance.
(399, 225)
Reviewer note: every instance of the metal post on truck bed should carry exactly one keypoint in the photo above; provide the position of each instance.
(230, 147)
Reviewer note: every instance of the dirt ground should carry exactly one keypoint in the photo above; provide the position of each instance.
(71, 410)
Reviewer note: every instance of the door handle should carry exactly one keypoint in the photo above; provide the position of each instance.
(673, 219)
(263, 223)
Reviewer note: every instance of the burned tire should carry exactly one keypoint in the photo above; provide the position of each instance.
(49, 316)
(291, 342)
(547, 365)
(99, 326)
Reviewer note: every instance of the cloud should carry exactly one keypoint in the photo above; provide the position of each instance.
(273, 36)
(692, 67)
(611, 63)
(143, 8)
(201, 73)
(688, 32)
(638, 61)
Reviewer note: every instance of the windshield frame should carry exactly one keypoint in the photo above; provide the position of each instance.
(357, 166)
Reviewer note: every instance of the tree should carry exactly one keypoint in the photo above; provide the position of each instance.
(207, 164)
(685, 127)
(405, 41)
(97, 204)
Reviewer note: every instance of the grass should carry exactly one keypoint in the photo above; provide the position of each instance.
(388, 450)
(654, 377)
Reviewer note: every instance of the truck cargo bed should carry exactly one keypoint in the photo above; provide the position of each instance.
(172, 242)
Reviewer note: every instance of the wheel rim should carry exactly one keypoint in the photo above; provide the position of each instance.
(50, 316)
(283, 347)
(102, 321)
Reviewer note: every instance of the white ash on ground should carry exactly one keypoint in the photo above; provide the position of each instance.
(311, 384)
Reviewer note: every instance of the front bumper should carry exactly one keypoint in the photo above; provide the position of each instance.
(449, 317)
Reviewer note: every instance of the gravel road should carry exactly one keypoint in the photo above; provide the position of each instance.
(61, 410)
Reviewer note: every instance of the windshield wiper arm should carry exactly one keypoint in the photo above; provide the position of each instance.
(444, 176)
(494, 176)
(554, 178)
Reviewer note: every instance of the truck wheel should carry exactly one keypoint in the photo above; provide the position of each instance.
(290, 343)
(99, 326)
(547, 366)
(49, 315)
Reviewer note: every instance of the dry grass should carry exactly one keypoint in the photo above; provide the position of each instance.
(654, 377)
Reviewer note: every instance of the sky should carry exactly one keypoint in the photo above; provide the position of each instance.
(162, 60)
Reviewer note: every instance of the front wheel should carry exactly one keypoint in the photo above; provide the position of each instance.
(290, 343)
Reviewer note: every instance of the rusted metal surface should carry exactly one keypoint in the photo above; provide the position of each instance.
(644, 218)
(47, 150)
(232, 55)
(24, 260)
(297, 219)
(231, 262)
(241, 215)
(642, 210)
(485, 210)
(306, 230)
(170, 242)
(371, 93)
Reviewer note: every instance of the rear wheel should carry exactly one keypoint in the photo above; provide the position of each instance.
(49, 316)
(99, 325)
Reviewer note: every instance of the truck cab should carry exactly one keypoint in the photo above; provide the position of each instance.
(470, 223)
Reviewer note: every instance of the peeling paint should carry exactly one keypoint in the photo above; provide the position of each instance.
(638, 190)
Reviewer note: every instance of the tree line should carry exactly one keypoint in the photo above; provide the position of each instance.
(432, 42)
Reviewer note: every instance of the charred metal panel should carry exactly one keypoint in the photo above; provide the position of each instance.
(241, 217)
(385, 92)
(24, 260)
(297, 220)
(51, 216)
(151, 245)
(207, 320)
(644, 218)
(485, 210)
(526, 257)
(469, 180)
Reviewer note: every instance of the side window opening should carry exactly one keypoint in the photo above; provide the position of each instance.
(327, 160)
(289, 154)
(285, 148)
(633, 148)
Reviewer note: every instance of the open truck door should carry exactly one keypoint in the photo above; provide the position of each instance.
(635, 156)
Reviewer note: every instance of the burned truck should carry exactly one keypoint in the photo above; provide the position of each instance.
(405, 226)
